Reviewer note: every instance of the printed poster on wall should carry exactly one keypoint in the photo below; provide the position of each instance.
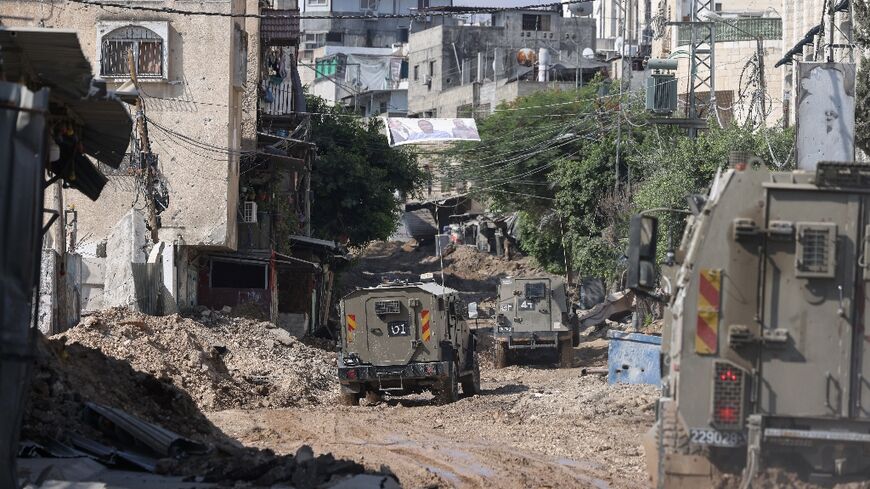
(403, 130)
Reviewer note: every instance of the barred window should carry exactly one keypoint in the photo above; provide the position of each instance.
(146, 46)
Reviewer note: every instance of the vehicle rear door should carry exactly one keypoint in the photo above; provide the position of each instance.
(531, 309)
(391, 329)
(808, 315)
(861, 339)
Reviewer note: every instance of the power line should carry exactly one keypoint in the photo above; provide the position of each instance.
(420, 13)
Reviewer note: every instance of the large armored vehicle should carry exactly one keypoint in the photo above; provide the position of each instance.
(533, 313)
(765, 356)
(406, 338)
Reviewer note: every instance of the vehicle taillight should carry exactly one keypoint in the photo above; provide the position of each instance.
(727, 414)
(351, 373)
(728, 396)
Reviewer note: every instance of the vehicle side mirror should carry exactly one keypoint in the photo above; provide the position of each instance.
(472, 310)
(643, 235)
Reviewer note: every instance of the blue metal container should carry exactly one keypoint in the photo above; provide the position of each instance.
(633, 358)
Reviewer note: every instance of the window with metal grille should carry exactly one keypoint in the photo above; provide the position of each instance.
(146, 46)
(816, 249)
(727, 396)
(387, 307)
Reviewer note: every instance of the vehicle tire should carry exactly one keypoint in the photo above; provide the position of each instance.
(471, 382)
(448, 389)
(575, 335)
(349, 399)
(501, 354)
(566, 354)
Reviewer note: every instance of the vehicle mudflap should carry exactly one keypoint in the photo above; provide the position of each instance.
(354, 388)
(687, 471)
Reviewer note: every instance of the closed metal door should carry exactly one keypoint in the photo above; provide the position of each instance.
(808, 316)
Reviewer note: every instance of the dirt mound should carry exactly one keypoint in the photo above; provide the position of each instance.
(466, 269)
(66, 376)
(221, 362)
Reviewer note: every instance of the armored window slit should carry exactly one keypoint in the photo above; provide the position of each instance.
(387, 307)
(816, 250)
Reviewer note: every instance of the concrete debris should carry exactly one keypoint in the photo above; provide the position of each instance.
(221, 362)
(68, 375)
(616, 304)
(474, 272)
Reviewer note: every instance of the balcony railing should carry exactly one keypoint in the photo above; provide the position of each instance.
(740, 29)
(280, 27)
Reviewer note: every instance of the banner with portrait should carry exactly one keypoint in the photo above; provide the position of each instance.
(402, 130)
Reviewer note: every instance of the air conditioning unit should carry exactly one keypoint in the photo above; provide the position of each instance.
(249, 212)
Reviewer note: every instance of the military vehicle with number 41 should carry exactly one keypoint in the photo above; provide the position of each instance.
(405, 338)
(534, 314)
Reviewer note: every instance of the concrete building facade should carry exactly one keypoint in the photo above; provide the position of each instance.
(192, 77)
(452, 60)
(371, 81)
(373, 31)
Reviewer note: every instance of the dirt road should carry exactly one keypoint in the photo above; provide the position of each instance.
(532, 427)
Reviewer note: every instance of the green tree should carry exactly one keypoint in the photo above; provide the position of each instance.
(358, 182)
(861, 12)
(552, 157)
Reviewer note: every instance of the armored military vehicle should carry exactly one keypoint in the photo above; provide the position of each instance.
(404, 338)
(765, 356)
(534, 314)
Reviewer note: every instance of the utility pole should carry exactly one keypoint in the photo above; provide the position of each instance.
(145, 157)
(702, 65)
(623, 27)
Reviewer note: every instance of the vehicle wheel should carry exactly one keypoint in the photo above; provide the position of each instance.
(373, 397)
(471, 382)
(448, 390)
(566, 354)
(501, 354)
(349, 399)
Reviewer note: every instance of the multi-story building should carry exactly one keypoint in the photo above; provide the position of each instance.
(460, 69)
(748, 34)
(220, 121)
(371, 81)
(191, 75)
(363, 24)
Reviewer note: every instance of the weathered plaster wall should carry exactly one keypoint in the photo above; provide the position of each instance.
(449, 54)
(196, 100)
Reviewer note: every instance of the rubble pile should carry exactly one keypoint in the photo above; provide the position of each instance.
(465, 268)
(221, 362)
(68, 376)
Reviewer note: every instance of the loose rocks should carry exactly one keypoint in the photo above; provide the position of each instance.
(222, 362)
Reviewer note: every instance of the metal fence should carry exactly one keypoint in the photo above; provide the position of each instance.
(148, 282)
(741, 29)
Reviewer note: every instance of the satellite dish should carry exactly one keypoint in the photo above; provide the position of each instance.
(526, 57)
(588, 53)
(618, 44)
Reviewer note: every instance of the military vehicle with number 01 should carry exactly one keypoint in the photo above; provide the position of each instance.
(534, 314)
(405, 338)
(765, 356)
